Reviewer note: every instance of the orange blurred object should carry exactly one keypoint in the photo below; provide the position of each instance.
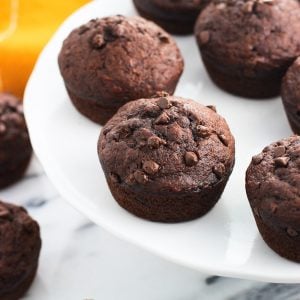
(25, 28)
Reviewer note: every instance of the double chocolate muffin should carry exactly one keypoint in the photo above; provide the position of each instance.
(166, 159)
(108, 62)
(247, 46)
(175, 16)
(273, 189)
(290, 92)
(15, 147)
(20, 246)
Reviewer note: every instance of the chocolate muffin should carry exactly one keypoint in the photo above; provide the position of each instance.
(273, 185)
(15, 147)
(175, 16)
(290, 92)
(247, 46)
(166, 159)
(108, 62)
(20, 246)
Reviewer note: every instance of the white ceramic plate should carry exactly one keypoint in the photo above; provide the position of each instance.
(224, 242)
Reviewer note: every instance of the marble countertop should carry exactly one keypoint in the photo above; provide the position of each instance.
(80, 260)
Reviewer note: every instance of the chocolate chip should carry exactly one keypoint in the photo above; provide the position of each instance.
(164, 103)
(202, 131)
(204, 37)
(2, 128)
(279, 151)
(134, 123)
(162, 119)
(107, 129)
(221, 6)
(174, 133)
(13, 118)
(274, 207)
(163, 37)
(82, 29)
(151, 111)
(98, 41)
(281, 162)
(150, 167)
(183, 122)
(212, 107)
(20, 109)
(257, 159)
(219, 170)
(190, 158)
(154, 142)
(266, 1)
(140, 177)
(4, 213)
(110, 34)
(248, 7)
(256, 212)
(266, 149)
(223, 139)
(291, 232)
(114, 178)
(130, 180)
(160, 94)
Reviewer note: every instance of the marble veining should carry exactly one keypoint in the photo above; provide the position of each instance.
(82, 261)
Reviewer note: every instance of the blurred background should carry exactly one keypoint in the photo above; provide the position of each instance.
(25, 28)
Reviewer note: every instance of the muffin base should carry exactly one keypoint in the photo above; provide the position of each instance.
(279, 241)
(167, 207)
(170, 21)
(14, 171)
(20, 290)
(257, 88)
(92, 110)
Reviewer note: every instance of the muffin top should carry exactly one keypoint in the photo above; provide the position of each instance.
(119, 59)
(250, 33)
(166, 143)
(273, 184)
(291, 87)
(20, 245)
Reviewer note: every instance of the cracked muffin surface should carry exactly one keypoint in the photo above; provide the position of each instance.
(169, 149)
(108, 62)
